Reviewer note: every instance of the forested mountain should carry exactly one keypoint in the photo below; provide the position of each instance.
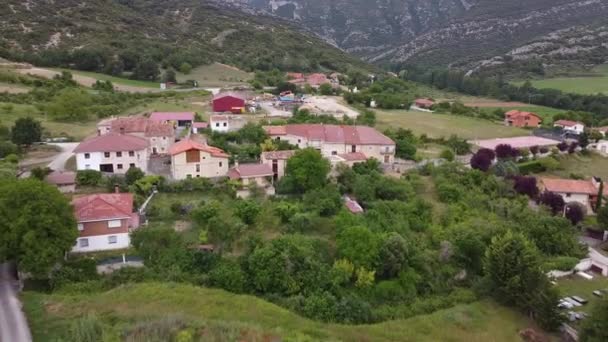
(463, 33)
(113, 36)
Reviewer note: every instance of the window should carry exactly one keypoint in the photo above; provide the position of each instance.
(114, 224)
(333, 153)
(568, 195)
(106, 154)
(221, 164)
(189, 176)
(112, 239)
(299, 141)
(193, 156)
(131, 153)
(198, 167)
(225, 124)
(353, 148)
(164, 138)
(131, 165)
(119, 154)
(80, 227)
(217, 124)
(119, 166)
(87, 156)
(83, 243)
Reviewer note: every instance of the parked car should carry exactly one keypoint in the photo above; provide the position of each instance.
(598, 293)
(564, 305)
(572, 301)
(580, 300)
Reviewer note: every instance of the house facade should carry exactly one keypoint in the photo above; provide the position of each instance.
(277, 160)
(199, 127)
(227, 123)
(160, 135)
(602, 147)
(584, 192)
(112, 153)
(193, 159)
(570, 126)
(104, 221)
(518, 118)
(333, 140)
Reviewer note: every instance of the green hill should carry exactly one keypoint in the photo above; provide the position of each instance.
(220, 316)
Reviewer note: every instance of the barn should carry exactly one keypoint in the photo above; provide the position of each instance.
(228, 102)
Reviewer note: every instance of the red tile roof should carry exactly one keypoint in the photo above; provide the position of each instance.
(566, 123)
(351, 135)
(172, 116)
(112, 142)
(200, 125)
(61, 178)
(159, 129)
(516, 113)
(250, 171)
(352, 205)
(603, 129)
(355, 156)
(101, 207)
(190, 144)
(278, 155)
(426, 102)
(141, 124)
(570, 186)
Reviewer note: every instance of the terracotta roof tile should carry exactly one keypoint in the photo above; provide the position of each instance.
(569, 186)
(566, 123)
(99, 207)
(190, 144)
(200, 125)
(352, 135)
(250, 170)
(172, 116)
(112, 142)
(61, 178)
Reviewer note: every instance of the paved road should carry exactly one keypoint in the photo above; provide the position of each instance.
(67, 149)
(13, 324)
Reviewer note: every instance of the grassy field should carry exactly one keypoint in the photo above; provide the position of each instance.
(444, 125)
(216, 75)
(13, 88)
(595, 82)
(198, 104)
(113, 79)
(586, 166)
(546, 113)
(51, 315)
(578, 286)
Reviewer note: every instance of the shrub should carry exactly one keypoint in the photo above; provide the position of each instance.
(560, 263)
(88, 177)
(562, 146)
(449, 193)
(228, 276)
(543, 150)
(74, 271)
(447, 155)
(534, 150)
(526, 186)
(575, 212)
(530, 167)
(505, 151)
(552, 200)
(549, 163)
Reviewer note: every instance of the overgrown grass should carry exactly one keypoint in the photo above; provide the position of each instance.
(126, 308)
(593, 83)
(216, 75)
(444, 125)
(586, 166)
(113, 79)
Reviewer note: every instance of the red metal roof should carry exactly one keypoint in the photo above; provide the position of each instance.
(61, 178)
(172, 116)
(100, 207)
(278, 155)
(352, 135)
(570, 186)
(229, 93)
(189, 144)
(112, 142)
(425, 102)
(250, 171)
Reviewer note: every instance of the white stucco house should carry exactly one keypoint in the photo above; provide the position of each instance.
(570, 126)
(112, 153)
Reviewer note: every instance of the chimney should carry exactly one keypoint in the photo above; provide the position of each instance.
(116, 188)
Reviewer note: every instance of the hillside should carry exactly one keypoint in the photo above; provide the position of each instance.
(126, 36)
(221, 316)
(463, 33)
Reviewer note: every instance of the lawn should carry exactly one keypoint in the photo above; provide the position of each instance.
(113, 79)
(578, 286)
(444, 125)
(586, 166)
(595, 82)
(216, 75)
(51, 315)
(197, 103)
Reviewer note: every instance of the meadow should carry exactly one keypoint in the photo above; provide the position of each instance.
(593, 82)
(443, 125)
(50, 316)
(113, 79)
(585, 166)
(216, 75)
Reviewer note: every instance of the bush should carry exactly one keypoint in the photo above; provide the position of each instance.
(530, 167)
(560, 263)
(449, 193)
(228, 276)
(447, 155)
(88, 177)
(74, 271)
(549, 163)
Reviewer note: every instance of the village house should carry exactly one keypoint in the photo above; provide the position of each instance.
(227, 123)
(602, 147)
(570, 126)
(104, 221)
(160, 135)
(348, 159)
(199, 127)
(229, 102)
(522, 119)
(424, 103)
(313, 80)
(177, 119)
(277, 160)
(194, 159)
(333, 140)
(257, 175)
(112, 153)
(65, 181)
(584, 192)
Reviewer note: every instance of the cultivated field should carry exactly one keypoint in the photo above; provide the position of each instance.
(51, 315)
(593, 83)
(444, 125)
(216, 75)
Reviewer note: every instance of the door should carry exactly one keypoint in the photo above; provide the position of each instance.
(387, 159)
(154, 151)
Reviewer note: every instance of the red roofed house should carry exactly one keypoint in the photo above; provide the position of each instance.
(277, 160)
(581, 191)
(227, 123)
(160, 134)
(258, 175)
(424, 103)
(333, 140)
(198, 127)
(570, 126)
(104, 221)
(229, 102)
(193, 159)
(180, 119)
(112, 153)
(518, 118)
(64, 181)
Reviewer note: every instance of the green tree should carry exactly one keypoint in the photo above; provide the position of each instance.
(146, 69)
(70, 104)
(359, 245)
(327, 201)
(306, 170)
(133, 175)
(247, 211)
(326, 89)
(595, 328)
(393, 255)
(40, 172)
(169, 76)
(37, 225)
(228, 276)
(185, 68)
(602, 217)
(26, 131)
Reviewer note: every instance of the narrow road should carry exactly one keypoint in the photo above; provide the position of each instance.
(13, 324)
(67, 150)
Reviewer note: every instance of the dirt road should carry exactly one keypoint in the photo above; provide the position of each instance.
(13, 324)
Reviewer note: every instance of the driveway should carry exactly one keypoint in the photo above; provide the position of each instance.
(67, 150)
(13, 324)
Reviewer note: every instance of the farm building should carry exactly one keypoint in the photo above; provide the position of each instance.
(229, 102)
